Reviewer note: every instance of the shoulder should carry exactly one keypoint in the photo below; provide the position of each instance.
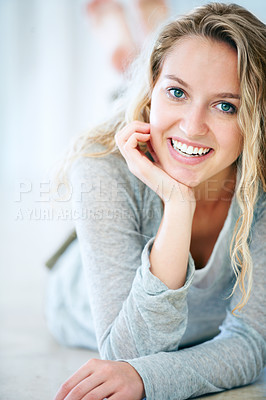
(91, 164)
(258, 229)
(260, 206)
(106, 174)
(91, 159)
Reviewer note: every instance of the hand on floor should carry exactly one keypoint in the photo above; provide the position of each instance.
(98, 379)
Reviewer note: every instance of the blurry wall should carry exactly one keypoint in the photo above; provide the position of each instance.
(55, 83)
(52, 82)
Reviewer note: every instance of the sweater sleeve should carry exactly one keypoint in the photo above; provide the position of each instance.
(234, 358)
(134, 313)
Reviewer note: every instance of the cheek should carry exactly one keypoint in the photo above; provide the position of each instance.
(162, 118)
(156, 122)
(160, 110)
(231, 141)
(237, 145)
(155, 114)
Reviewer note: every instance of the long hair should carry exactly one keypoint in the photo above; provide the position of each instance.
(234, 25)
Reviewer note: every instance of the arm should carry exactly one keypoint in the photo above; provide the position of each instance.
(134, 312)
(172, 243)
(131, 307)
(234, 358)
(170, 252)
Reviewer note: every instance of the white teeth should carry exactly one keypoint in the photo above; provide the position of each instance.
(183, 148)
(190, 150)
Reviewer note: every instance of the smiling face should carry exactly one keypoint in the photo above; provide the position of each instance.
(193, 116)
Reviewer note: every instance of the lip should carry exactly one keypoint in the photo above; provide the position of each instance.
(193, 144)
(187, 160)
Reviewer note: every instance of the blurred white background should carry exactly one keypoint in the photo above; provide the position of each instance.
(55, 83)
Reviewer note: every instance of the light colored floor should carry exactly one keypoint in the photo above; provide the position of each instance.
(32, 364)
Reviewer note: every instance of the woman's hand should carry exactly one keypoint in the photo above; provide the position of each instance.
(149, 172)
(172, 242)
(100, 379)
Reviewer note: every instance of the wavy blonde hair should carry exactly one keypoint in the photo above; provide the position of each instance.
(234, 25)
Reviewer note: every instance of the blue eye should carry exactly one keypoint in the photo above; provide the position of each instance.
(227, 108)
(177, 93)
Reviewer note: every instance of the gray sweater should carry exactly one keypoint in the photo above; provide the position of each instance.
(183, 343)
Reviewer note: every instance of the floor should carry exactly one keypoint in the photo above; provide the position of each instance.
(33, 365)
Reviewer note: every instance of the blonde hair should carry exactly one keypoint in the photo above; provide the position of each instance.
(232, 24)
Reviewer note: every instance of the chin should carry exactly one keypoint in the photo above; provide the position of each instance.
(185, 178)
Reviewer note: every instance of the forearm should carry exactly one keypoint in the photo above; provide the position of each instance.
(224, 363)
(134, 312)
(170, 251)
(153, 318)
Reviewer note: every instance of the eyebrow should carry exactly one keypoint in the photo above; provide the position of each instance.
(221, 95)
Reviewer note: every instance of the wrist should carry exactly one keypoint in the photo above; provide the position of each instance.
(181, 208)
(180, 197)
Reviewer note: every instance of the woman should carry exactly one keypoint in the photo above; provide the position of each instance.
(172, 234)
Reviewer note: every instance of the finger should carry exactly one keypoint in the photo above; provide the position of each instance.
(135, 126)
(119, 396)
(101, 392)
(86, 386)
(116, 396)
(132, 144)
(82, 373)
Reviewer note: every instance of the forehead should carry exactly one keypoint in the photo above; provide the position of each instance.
(203, 60)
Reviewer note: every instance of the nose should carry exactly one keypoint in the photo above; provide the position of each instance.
(193, 122)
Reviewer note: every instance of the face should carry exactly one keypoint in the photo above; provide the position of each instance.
(193, 118)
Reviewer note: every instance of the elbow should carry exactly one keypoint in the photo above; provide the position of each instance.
(254, 362)
(258, 357)
(259, 363)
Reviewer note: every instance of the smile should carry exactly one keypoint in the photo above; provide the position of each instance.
(188, 154)
(189, 151)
